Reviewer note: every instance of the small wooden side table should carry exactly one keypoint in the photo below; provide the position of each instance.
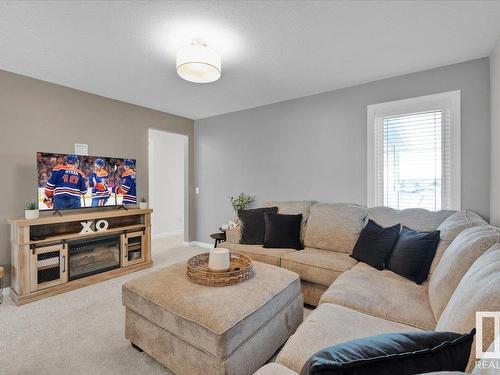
(218, 237)
(2, 275)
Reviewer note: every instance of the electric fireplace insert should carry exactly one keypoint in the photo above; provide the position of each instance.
(91, 256)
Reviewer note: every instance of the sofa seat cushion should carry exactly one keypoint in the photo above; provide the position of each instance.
(312, 292)
(383, 294)
(274, 369)
(334, 226)
(330, 325)
(259, 253)
(318, 266)
(202, 316)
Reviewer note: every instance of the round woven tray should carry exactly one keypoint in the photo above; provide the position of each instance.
(240, 269)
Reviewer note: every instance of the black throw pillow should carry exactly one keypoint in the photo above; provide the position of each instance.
(394, 353)
(375, 244)
(413, 254)
(282, 231)
(253, 225)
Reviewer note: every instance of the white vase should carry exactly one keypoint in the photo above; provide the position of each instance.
(218, 259)
(31, 214)
(143, 205)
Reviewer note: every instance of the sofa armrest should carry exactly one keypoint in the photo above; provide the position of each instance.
(233, 235)
(274, 369)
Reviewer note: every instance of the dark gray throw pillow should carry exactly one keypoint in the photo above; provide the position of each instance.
(413, 254)
(375, 244)
(395, 354)
(253, 225)
(282, 231)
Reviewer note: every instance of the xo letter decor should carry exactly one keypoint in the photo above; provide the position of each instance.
(100, 226)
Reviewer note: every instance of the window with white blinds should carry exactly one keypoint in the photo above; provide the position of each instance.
(414, 153)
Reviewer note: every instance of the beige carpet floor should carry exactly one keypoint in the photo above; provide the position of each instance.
(82, 331)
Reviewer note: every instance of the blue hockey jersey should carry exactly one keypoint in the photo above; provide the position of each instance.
(127, 187)
(98, 181)
(66, 181)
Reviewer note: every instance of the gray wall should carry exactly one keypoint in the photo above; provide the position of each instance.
(495, 134)
(40, 116)
(315, 147)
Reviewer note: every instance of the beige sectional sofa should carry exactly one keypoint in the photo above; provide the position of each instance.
(355, 300)
(329, 232)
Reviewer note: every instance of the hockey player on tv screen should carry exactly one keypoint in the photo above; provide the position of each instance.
(127, 183)
(98, 181)
(66, 185)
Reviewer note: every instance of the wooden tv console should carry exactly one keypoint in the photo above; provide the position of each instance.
(49, 255)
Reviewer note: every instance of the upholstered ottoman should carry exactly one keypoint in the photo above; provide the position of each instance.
(194, 329)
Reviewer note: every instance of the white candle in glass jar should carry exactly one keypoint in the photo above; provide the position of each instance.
(218, 259)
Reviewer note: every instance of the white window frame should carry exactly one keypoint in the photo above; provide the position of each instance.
(449, 101)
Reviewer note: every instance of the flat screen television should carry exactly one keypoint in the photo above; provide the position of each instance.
(68, 181)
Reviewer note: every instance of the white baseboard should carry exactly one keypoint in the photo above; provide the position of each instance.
(167, 234)
(199, 244)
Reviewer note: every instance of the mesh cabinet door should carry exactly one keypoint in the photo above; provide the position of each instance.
(48, 266)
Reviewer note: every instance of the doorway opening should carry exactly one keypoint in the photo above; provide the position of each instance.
(167, 184)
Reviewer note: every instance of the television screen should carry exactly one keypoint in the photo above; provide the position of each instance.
(67, 181)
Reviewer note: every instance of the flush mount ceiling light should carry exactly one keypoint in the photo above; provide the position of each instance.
(198, 63)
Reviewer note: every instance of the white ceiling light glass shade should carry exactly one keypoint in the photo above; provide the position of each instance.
(198, 63)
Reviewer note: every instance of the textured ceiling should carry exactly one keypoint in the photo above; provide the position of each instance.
(271, 50)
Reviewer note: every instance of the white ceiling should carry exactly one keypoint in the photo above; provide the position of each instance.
(271, 50)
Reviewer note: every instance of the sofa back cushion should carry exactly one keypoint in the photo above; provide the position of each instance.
(458, 222)
(334, 226)
(451, 228)
(414, 218)
(479, 290)
(294, 208)
(442, 246)
(456, 261)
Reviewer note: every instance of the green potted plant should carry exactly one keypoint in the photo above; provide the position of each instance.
(143, 204)
(240, 202)
(31, 212)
